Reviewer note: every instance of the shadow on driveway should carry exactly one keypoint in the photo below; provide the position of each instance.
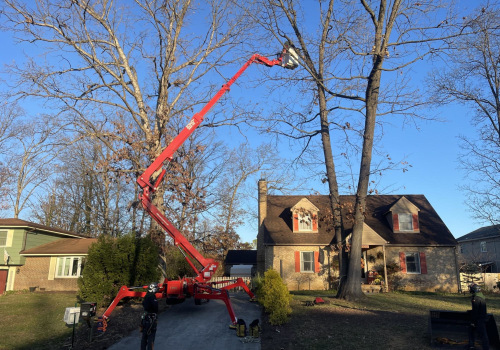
(205, 326)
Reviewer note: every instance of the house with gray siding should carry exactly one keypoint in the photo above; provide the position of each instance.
(481, 247)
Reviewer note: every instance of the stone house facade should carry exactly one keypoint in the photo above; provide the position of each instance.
(405, 245)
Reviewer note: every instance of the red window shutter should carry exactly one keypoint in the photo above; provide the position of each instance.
(395, 222)
(415, 222)
(315, 222)
(423, 263)
(402, 261)
(295, 222)
(316, 262)
(297, 261)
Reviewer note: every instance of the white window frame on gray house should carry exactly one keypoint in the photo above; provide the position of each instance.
(482, 244)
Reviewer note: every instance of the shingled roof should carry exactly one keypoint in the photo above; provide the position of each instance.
(63, 246)
(481, 233)
(18, 223)
(278, 221)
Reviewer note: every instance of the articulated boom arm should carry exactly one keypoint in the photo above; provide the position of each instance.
(145, 180)
(198, 287)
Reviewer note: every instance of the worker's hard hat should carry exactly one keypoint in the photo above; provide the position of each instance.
(153, 287)
(474, 288)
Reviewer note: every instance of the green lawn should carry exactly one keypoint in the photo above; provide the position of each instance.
(34, 320)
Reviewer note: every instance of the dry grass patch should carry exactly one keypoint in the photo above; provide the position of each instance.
(379, 321)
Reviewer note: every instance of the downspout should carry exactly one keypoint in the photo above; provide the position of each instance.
(457, 271)
(262, 211)
(386, 285)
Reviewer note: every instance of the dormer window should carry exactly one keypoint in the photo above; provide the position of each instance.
(405, 222)
(403, 216)
(304, 216)
(305, 221)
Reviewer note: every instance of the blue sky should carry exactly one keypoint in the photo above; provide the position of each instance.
(432, 152)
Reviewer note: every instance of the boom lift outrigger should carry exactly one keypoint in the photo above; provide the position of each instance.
(198, 287)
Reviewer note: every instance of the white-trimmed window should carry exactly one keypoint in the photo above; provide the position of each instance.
(412, 262)
(305, 222)
(69, 267)
(483, 247)
(3, 238)
(405, 222)
(306, 261)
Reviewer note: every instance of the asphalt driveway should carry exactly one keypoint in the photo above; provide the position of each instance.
(205, 326)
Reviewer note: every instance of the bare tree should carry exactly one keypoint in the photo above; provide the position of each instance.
(9, 114)
(124, 73)
(242, 163)
(344, 47)
(218, 231)
(29, 158)
(192, 176)
(473, 80)
(85, 197)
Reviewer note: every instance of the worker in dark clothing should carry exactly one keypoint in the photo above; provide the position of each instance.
(149, 318)
(478, 317)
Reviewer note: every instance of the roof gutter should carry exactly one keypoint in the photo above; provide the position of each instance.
(32, 228)
(421, 245)
(53, 254)
(477, 239)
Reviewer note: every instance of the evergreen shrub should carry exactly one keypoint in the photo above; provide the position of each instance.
(175, 263)
(115, 262)
(275, 298)
(257, 283)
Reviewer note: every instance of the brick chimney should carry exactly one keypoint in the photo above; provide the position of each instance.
(261, 253)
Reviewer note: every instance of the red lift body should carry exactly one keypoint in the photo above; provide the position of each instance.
(199, 286)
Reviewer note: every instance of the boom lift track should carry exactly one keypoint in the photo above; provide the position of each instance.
(199, 286)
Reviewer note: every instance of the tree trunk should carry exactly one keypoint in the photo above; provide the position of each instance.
(351, 290)
(333, 188)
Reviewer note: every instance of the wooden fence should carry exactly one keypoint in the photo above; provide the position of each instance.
(489, 281)
(226, 281)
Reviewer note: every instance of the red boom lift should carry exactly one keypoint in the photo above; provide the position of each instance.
(199, 286)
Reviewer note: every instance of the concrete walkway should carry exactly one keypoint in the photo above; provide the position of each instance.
(205, 326)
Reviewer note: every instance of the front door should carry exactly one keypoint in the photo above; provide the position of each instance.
(3, 280)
